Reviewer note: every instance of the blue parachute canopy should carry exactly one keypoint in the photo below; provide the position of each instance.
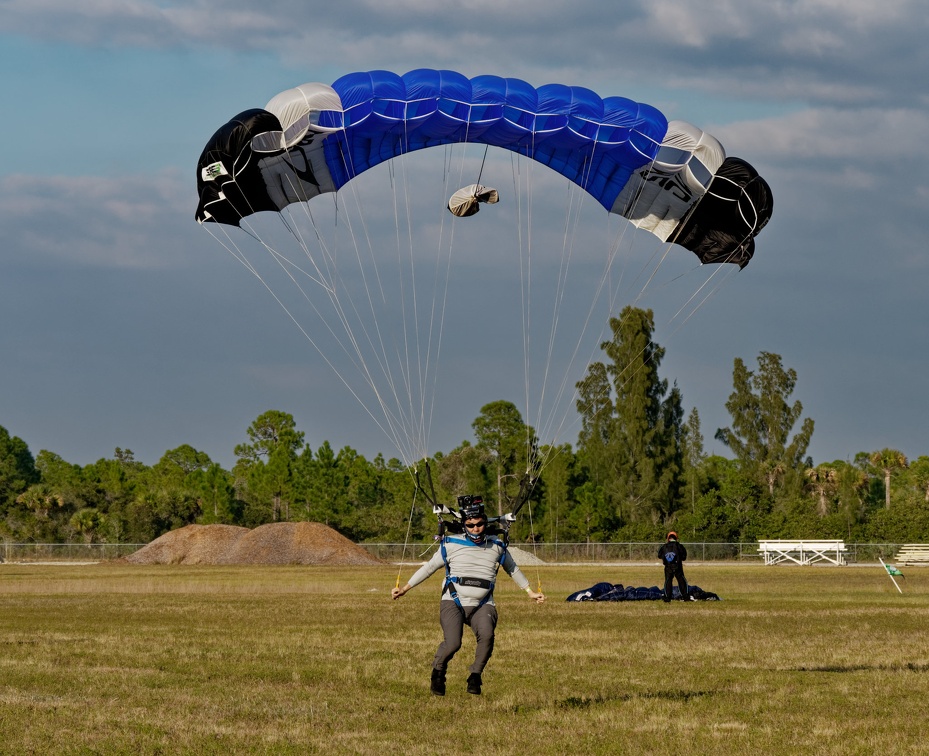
(315, 138)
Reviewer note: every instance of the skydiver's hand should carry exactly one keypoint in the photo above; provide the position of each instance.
(537, 597)
(396, 593)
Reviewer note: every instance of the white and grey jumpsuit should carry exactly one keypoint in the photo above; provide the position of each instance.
(467, 594)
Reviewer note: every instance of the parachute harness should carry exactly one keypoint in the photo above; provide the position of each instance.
(451, 580)
(495, 526)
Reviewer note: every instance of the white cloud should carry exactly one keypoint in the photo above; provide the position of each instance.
(125, 222)
(814, 50)
(868, 137)
(827, 98)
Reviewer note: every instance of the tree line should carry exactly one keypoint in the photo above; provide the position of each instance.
(637, 470)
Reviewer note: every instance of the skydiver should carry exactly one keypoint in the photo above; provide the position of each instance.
(673, 555)
(471, 565)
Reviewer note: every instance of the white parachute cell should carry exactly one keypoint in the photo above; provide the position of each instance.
(658, 196)
(298, 111)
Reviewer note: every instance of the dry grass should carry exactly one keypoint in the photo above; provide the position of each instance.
(176, 659)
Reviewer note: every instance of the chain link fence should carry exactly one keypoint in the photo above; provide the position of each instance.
(551, 553)
(64, 552)
(592, 553)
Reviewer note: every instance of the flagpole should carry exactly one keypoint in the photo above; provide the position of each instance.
(890, 574)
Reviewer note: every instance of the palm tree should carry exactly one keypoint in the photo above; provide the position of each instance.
(40, 499)
(823, 481)
(87, 521)
(888, 460)
(852, 484)
(919, 469)
(773, 471)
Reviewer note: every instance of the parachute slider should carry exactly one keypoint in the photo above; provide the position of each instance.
(466, 201)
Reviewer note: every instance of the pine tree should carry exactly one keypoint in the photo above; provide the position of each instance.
(762, 423)
(630, 442)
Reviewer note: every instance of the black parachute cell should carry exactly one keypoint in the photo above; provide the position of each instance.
(723, 226)
(228, 168)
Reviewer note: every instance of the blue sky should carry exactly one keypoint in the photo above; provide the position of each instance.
(122, 323)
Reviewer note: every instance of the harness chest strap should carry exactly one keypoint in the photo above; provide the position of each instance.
(451, 580)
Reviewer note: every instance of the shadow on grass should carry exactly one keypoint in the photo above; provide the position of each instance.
(584, 702)
(909, 667)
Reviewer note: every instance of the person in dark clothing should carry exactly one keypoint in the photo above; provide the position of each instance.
(673, 555)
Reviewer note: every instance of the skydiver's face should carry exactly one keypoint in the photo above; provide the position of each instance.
(475, 529)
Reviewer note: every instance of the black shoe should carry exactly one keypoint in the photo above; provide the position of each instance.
(474, 684)
(666, 600)
(437, 686)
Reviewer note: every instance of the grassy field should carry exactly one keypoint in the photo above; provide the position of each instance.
(117, 659)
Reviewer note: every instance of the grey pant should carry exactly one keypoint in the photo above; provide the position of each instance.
(482, 620)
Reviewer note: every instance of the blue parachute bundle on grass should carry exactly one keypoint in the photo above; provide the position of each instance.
(619, 592)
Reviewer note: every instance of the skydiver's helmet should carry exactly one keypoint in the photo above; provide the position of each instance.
(672, 536)
(472, 508)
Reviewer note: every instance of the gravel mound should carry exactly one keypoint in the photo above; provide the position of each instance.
(275, 543)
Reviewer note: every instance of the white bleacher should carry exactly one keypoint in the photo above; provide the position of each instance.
(913, 553)
(802, 552)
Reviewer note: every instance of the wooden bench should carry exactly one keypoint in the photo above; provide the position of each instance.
(802, 551)
(913, 553)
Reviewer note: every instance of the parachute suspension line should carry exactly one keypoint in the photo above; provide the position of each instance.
(242, 258)
(635, 201)
(652, 275)
(640, 366)
(703, 301)
(522, 192)
(417, 405)
(613, 293)
(446, 251)
(416, 422)
(410, 423)
(400, 426)
(395, 422)
(380, 348)
(406, 538)
(522, 187)
(547, 423)
(535, 550)
(331, 289)
(571, 224)
(428, 375)
(429, 367)
(603, 283)
(481, 171)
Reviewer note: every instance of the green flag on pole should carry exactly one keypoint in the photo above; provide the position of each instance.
(891, 572)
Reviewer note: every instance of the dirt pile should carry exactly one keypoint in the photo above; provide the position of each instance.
(276, 543)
